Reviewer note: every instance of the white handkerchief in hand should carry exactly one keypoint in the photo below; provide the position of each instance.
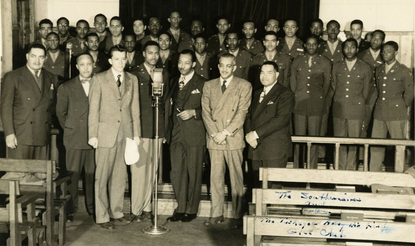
(131, 152)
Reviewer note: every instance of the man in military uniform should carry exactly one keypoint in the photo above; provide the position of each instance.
(270, 54)
(249, 43)
(116, 28)
(168, 58)
(175, 31)
(78, 42)
(290, 44)
(204, 61)
(134, 57)
(310, 82)
(351, 80)
(154, 26)
(195, 28)
(99, 58)
(242, 57)
(63, 30)
(395, 86)
(56, 60)
(356, 29)
(100, 23)
(316, 28)
(216, 43)
(272, 26)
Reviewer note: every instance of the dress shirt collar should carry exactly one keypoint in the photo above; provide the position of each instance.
(115, 73)
(116, 40)
(33, 71)
(375, 54)
(268, 88)
(228, 80)
(235, 53)
(175, 32)
(148, 68)
(389, 66)
(187, 78)
(350, 64)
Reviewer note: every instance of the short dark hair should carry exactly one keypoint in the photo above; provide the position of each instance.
(381, 32)
(168, 35)
(53, 33)
(139, 19)
(45, 21)
(350, 40)
(150, 43)
(189, 52)
(200, 35)
(62, 18)
(91, 34)
(318, 21)
(84, 54)
(394, 45)
(82, 21)
(222, 17)
(100, 15)
(36, 46)
(270, 33)
(226, 55)
(312, 36)
(270, 63)
(129, 34)
(248, 21)
(356, 22)
(232, 31)
(116, 18)
(118, 48)
(331, 22)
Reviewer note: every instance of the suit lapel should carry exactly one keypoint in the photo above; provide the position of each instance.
(30, 82)
(191, 87)
(46, 84)
(127, 85)
(229, 90)
(261, 106)
(79, 93)
(112, 82)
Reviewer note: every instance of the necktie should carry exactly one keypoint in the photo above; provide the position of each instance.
(223, 86)
(119, 80)
(310, 61)
(181, 83)
(85, 80)
(37, 73)
(261, 96)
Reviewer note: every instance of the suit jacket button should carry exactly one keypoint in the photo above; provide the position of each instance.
(118, 121)
(31, 122)
(34, 109)
(214, 120)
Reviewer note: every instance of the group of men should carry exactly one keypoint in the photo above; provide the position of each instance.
(218, 93)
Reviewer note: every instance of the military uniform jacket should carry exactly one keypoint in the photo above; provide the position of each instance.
(182, 38)
(193, 130)
(226, 111)
(255, 49)
(214, 47)
(295, 50)
(271, 120)
(170, 64)
(145, 40)
(107, 44)
(25, 110)
(337, 56)
(363, 45)
(284, 68)
(186, 44)
(396, 92)
(137, 60)
(113, 109)
(147, 112)
(310, 84)
(243, 63)
(206, 70)
(59, 67)
(72, 111)
(76, 46)
(351, 90)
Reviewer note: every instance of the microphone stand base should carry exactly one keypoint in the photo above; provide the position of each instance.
(155, 230)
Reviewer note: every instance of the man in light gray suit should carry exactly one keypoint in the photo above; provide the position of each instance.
(113, 116)
(225, 103)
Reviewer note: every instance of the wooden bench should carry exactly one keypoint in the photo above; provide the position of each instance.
(51, 204)
(12, 220)
(340, 206)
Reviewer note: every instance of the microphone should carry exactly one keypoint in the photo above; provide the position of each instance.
(157, 90)
(69, 48)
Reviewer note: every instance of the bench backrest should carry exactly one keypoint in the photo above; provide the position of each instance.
(29, 166)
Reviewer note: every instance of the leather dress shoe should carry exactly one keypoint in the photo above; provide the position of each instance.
(120, 221)
(143, 216)
(188, 217)
(107, 226)
(214, 220)
(176, 217)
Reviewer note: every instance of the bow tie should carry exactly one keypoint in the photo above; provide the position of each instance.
(85, 80)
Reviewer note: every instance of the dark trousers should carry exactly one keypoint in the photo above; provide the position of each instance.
(276, 163)
(76, 160)
(29, 152)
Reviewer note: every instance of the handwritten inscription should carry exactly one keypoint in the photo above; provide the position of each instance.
(328, 228)
(319, 199)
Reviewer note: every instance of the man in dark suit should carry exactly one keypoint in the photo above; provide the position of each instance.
(216, 43)
(242, 57)
(270, 54)
(27, 104)
(142, 172)
(186, 135)
(395, 85)
(205, 62)
(225, 103)
(178, 35)
(114, 115)
(267, 126)
(56, 61)
(134, 56)
(168, 58)
(290, 44)
(78, 42)
(310, 82)
(72, 111)
(351, 80)
(249, 43)
(99, 58)
(116, 28)
(356, 29)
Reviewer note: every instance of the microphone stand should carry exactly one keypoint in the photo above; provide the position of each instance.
(157, 94)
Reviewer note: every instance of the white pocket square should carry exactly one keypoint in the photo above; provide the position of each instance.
(196, 91)
(270, 102)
